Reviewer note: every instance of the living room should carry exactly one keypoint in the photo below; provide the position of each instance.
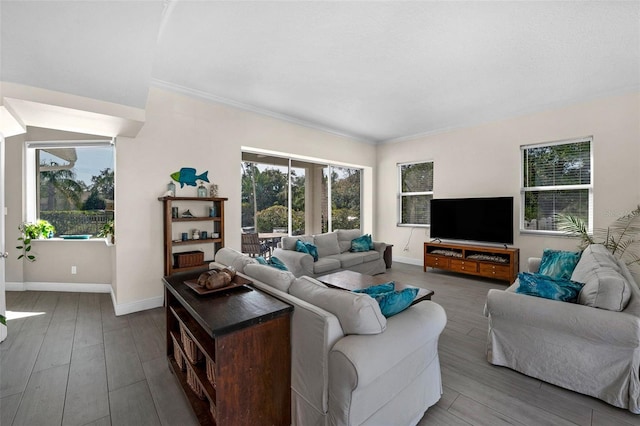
(480, 158)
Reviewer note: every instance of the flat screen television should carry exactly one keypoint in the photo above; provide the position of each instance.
(487, 219)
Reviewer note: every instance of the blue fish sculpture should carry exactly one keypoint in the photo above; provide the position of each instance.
(187, 176)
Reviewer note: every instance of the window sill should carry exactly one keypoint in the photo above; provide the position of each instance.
(89, 240)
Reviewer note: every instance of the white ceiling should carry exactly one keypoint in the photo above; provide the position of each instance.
(377, 71)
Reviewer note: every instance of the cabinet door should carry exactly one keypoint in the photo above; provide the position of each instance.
(495, 271)
(436, 261)
(464, 265)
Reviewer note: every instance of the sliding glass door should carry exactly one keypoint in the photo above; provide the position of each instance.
(286, 195)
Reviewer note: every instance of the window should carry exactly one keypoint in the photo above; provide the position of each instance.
(556, 178)
(282, 194)
(71, 185)
(416, 192)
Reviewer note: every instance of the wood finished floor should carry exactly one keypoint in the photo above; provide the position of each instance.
(76, 363)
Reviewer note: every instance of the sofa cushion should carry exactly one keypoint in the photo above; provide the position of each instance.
(558, 263)
(370, 256)
(357, 313)
(606, 289)
(230, 257)
(595, 256)
(289, 243)
(362, 243)
(325, 264)
(605, 285)
(348, 259)
(548, 287)
(345, 236)
(276, 278)
(327, 244)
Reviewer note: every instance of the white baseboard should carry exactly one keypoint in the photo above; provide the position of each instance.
(119, 308)
(408, 260)
(137, 306)
(67, 287)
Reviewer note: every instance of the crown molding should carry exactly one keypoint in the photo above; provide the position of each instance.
(254, 109)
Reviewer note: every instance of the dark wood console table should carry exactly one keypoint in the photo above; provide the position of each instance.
(231, 352)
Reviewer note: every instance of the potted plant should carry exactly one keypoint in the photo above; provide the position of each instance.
(30, 231)
(620, 238)
(108, 231)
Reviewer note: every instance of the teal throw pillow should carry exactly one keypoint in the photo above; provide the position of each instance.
(277, 263)
(377, 289)
(394, 302)
(362, 243)
(312, 250)
(558, 263)
(261, 260)
(547, 287)
(301, 247)
(370, 238)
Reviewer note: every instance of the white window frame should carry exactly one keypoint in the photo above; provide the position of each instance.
(405, 194)
(30, 167)
(524, 189)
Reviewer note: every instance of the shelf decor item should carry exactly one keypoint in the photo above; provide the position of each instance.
(213, 190)
(171, 189)
(202, 191)
(188, 258)
(188, 176)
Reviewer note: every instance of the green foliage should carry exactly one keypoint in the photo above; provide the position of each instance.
(620, 238)
(107, 229)
(272, 217)
(345, 219)
(265, 192)
(94, 202)
(3, 319)
(76, 222)
(30, 231)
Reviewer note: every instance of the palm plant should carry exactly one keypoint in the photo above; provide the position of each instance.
(64, 182)
(620, 238)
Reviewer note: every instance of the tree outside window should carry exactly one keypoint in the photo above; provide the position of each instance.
(556, 179)
(416, 192)
(75, 188)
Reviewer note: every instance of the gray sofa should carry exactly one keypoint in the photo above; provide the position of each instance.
(591, 347)
(349, 364)
(333, 254)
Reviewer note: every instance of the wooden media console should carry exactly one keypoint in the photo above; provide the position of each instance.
(490, 262)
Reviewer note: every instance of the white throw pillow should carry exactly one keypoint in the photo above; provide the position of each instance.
(358, 313)
(604, 285)
(269, 275)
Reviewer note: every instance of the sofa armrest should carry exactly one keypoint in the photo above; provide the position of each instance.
(607, 327)
(409, 334)
(533, 264)
(298, 264)
(379, 246)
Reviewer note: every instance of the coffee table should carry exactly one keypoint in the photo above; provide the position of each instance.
(351, 280)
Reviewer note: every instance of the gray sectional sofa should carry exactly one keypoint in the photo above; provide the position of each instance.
(349, 364)
(591, 347)
(333, 254)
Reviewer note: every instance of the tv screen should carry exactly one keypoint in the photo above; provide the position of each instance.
(473, 219)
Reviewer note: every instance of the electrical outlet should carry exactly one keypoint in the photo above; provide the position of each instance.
(74, 270)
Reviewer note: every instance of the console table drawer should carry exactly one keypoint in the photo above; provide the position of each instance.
(436, 261)
(497, 271)
(464, 266)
